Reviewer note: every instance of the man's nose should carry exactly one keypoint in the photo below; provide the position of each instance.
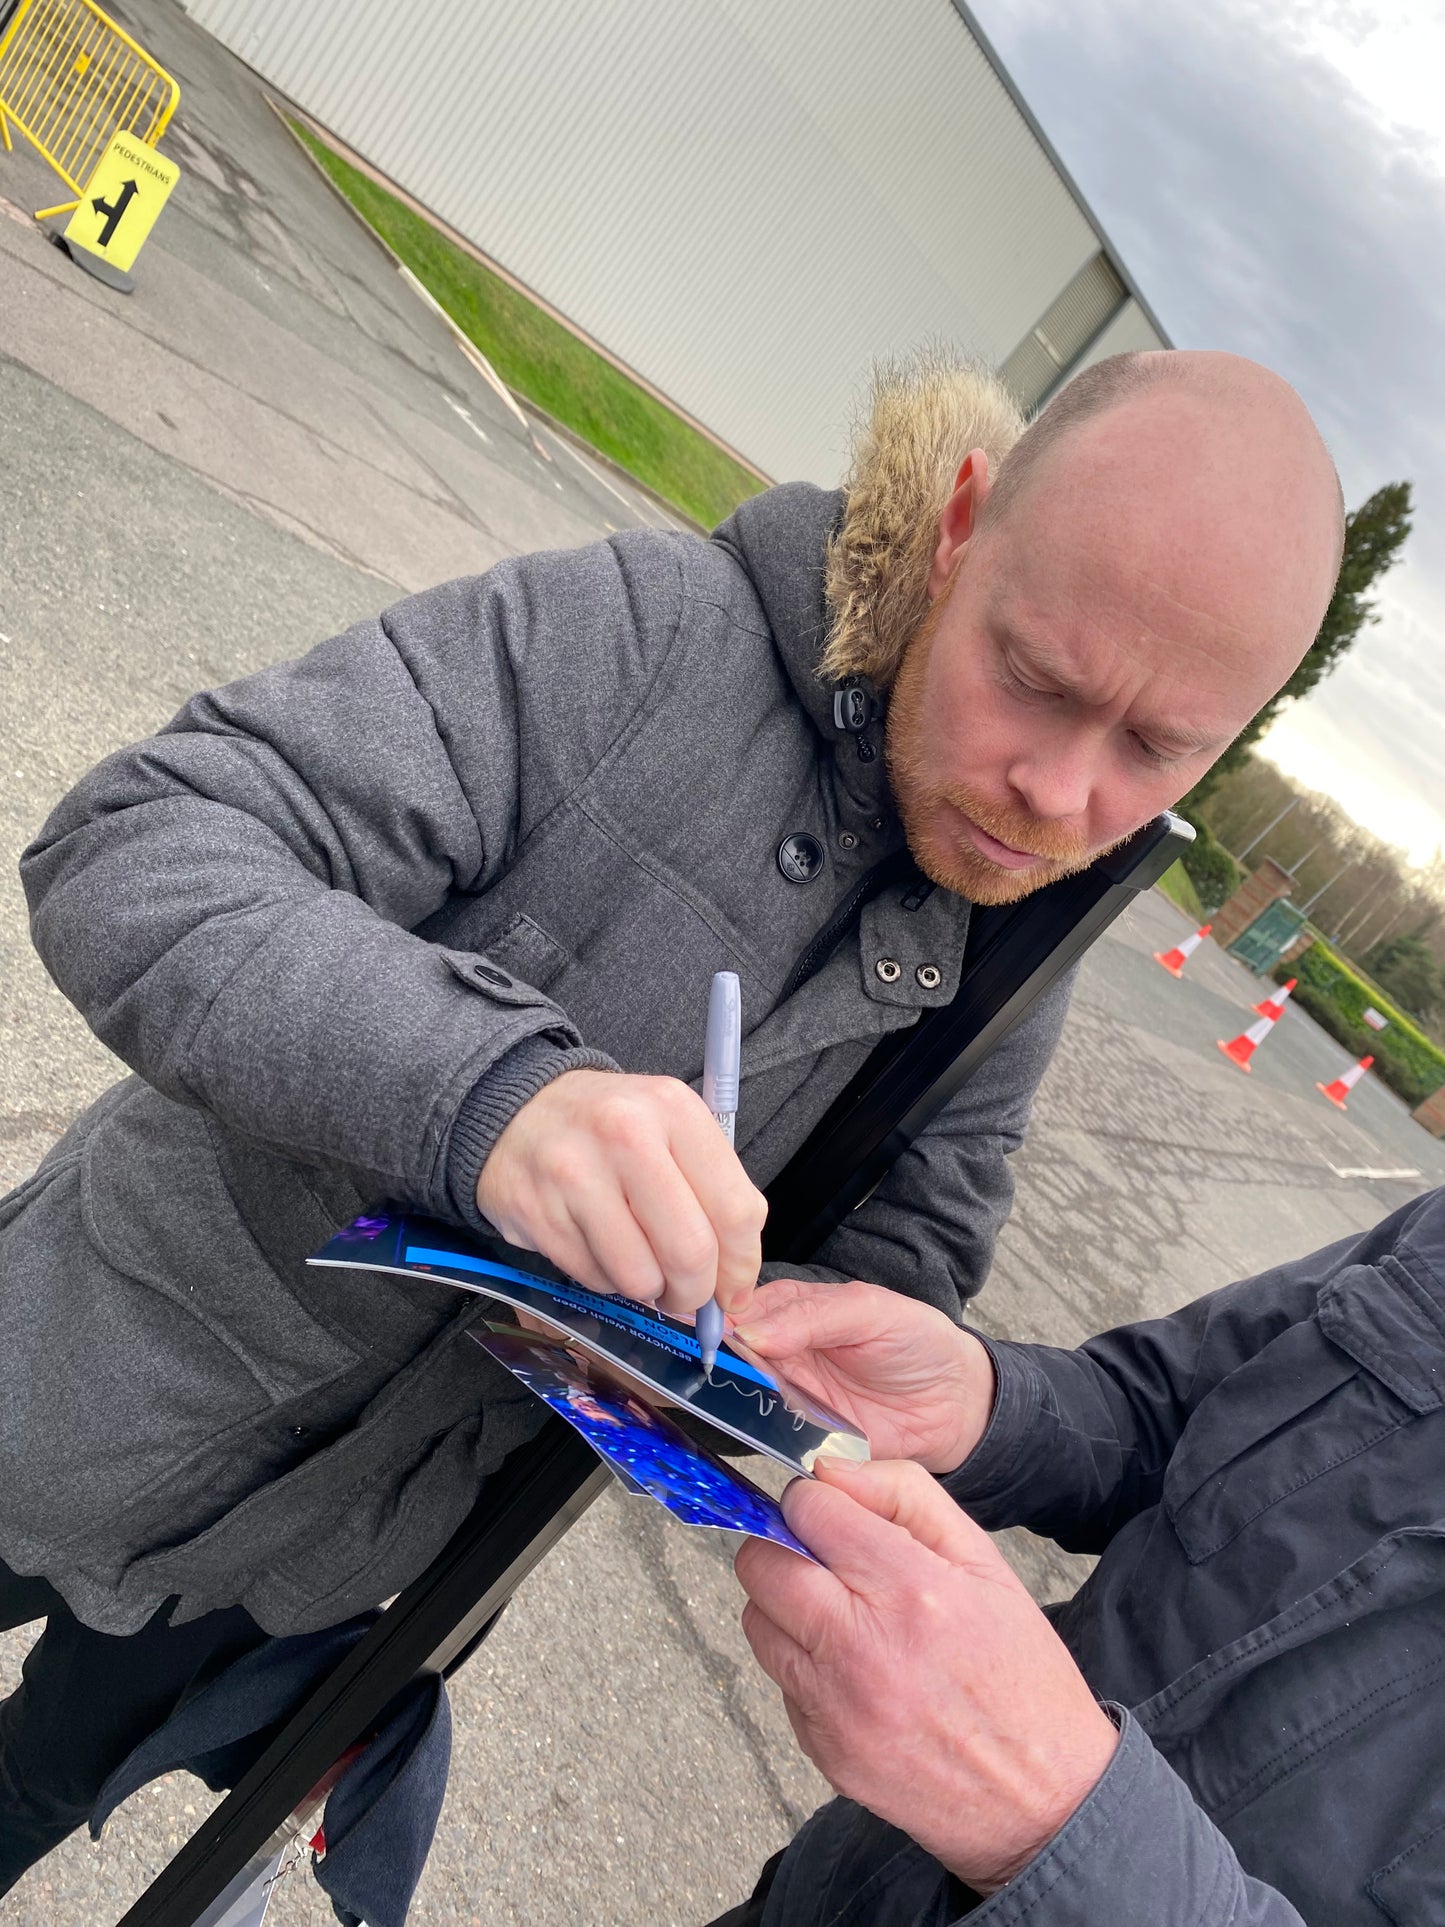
(1055, 780)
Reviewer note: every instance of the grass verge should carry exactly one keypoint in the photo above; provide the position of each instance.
(546, 363)
(1179, 888)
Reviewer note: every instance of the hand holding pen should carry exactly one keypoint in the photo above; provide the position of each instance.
(620, 1180)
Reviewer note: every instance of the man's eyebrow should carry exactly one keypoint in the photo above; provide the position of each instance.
(1039, 659)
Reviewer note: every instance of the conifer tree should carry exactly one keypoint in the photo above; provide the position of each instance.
(1374, 535)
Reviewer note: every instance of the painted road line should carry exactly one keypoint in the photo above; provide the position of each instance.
(633, 507)
(1368, 1171)
(469, 419)
(468, 347)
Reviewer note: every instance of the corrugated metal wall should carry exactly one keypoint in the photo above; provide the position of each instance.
(747, 201)
(1128, 331)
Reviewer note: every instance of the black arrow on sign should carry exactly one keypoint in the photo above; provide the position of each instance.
(113, 214)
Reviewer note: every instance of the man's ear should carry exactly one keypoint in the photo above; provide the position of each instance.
(958, 520)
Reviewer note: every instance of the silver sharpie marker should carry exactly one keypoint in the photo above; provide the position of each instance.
(721, 1072)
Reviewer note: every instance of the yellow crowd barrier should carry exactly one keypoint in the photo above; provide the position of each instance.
(71, 80)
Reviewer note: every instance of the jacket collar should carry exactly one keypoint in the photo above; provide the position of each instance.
(780, 540)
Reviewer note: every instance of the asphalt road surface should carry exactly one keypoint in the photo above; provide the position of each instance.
(272, 438)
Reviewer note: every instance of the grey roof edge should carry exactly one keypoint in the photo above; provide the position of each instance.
(1116, 260)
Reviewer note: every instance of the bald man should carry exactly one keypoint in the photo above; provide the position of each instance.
(1150, 567)
(430, 914)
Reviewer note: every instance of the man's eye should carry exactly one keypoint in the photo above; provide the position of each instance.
(1018, 687)
(1160, 759)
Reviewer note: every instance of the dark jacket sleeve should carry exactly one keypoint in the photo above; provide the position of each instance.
(1139, 1852)
(1079, 1440)
(232, 904)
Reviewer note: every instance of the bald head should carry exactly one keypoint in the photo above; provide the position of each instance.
(1208, 466)
(1151, 563)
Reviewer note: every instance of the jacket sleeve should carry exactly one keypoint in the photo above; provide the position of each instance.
(1139, 1852)
(1079, 1441)
(233, 905)
(930, 1228)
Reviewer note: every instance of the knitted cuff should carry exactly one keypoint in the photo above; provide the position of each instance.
(489, 1107)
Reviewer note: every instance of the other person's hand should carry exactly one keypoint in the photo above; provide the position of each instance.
(628, 1184)
(900, 1371)
(919, 1676)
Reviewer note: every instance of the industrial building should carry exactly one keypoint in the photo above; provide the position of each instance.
(745, 202)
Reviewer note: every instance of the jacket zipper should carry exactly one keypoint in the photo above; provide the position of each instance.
(892, 869)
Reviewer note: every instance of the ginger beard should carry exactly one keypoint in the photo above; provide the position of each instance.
(939, 844)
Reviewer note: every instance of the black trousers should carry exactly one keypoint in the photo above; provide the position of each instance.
(962, 1900)
(85, 1701)
(751, 1910)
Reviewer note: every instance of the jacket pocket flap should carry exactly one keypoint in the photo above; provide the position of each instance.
(1385, 1321)
(525, 950)
(1264, 1432)
(157, 1206)
(1407, 1891)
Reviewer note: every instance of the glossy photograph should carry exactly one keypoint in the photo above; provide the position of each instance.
(652, 1350)
(641, 1445)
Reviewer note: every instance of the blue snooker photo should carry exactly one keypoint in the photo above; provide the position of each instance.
(642, 1446)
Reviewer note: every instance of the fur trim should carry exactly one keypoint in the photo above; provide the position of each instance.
(925, 416)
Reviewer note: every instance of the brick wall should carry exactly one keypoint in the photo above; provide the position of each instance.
(1260, 889)
(1432, 1113)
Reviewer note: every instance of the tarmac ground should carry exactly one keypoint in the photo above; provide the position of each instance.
(272, 438)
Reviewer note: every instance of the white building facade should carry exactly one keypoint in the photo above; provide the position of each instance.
(747, 202)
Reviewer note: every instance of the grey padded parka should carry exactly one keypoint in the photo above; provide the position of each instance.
(510, 826)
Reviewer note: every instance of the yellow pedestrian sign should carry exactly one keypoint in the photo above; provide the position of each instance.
(122, 198)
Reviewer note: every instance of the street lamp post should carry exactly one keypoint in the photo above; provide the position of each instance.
(1354, 914)
(1326, 886)
(1272, 824)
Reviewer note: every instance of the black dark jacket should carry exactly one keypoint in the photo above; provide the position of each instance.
(1263, 1475)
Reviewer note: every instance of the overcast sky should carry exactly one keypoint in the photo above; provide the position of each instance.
(1273, 174)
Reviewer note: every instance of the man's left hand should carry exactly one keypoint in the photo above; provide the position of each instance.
(919, 1676)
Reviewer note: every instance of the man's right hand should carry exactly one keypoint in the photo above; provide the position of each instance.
(628, 1184)
(903, 1373)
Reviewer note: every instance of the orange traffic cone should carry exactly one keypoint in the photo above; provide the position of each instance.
(1175, 959)
(1274, 1006)
(1336, 1092)
(1240, 1049)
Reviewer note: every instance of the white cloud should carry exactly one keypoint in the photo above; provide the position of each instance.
(1392, 58)
(1317, 750)
(1274, 175)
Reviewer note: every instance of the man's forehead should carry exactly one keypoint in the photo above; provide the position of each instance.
(1201, 551)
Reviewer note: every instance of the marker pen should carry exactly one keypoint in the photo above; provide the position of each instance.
(721, 1071)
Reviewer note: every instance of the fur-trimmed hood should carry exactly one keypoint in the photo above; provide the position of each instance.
(924, 417)
(842, 574)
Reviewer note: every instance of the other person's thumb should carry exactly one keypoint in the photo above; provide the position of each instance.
(903, 1493)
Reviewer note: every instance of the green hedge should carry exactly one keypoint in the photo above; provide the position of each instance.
(1210, 868)
(1336, 997)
